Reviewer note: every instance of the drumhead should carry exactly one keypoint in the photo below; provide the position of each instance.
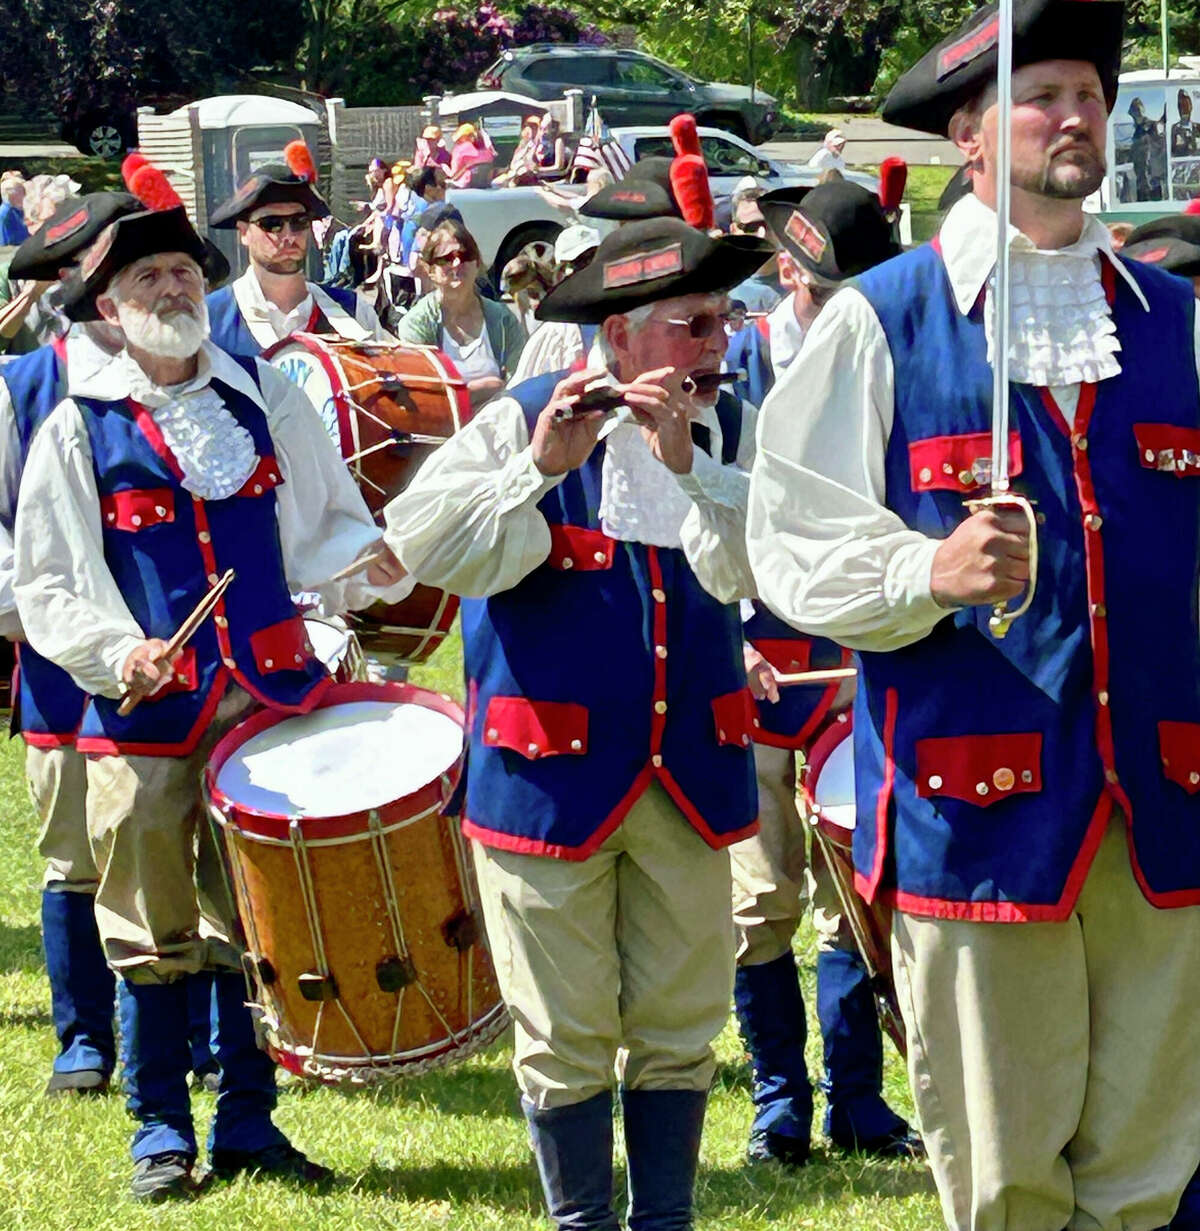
(833, 785)
(341, 759)
(309, 371)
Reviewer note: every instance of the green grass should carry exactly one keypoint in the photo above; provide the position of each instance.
(924, 187)
(95, 174)
(443, 1151)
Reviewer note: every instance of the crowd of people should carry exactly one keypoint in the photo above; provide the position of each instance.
(726, 502)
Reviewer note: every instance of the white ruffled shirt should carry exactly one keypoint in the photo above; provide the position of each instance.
(828, 555)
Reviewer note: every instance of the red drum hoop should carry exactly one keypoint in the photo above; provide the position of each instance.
(366, 952)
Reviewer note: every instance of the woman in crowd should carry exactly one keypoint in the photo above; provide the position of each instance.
(482, 338)
(522, 169)
(550, 151)
(431, 150)
(472, 148)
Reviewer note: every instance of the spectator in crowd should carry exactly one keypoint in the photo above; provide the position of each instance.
(522, 168)
(762, 291)
(527, 279)
(482, 338)
(569, 203)
(550, 150)
(12, 198)
(428, 185)
(472, 158)
(431, 149)
(829, 156)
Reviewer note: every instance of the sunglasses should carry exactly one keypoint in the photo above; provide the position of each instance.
(752, 228)
(273, 224)
(448, 258)
(702, 324)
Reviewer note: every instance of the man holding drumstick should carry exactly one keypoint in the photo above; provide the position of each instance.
(608, 721)
(159, 472)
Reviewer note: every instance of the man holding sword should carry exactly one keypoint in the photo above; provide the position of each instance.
(1030, 798)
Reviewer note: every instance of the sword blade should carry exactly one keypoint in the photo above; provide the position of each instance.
(1000, 285)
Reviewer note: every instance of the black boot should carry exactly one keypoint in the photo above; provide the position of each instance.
(662, 1144)
(573, 1146)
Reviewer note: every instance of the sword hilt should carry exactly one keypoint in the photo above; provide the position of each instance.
(1002, 617)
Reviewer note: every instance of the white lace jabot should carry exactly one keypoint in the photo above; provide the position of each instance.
(1061, 329)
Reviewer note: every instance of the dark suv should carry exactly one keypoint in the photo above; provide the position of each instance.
(632, 88)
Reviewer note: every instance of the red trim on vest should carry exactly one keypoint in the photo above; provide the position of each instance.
(658, 718)
(697, 822)
(961, 463)
(979, 769)
(283, 646)
(100, 745)
(40, 739)
(154, 438)
(1179, 750)
(1055, 411)
(536, 729)
(263, 478)
(59, 347)
(884, 798)
(137, 509)
(185, 678)
(576, 547)
(1169, 448)
(735, 718)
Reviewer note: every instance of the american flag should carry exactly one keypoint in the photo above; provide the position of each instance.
(598, 149)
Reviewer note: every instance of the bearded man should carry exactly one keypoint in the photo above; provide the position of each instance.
(159, 471)
(1035, 820)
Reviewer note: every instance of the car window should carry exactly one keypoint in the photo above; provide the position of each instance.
(725, 158)
(653, 147)
(571, 70)
(644, 76)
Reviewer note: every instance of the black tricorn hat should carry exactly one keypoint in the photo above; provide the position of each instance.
(74, 226)
(964, 64)
(126, 240)
(275, 184)
(1172, 243)
(650, 260)
(644, 192)
(834, 230)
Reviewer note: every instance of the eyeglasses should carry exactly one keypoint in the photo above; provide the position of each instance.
(448, 258)
(273, 224)
(752, 228)
(702, 324)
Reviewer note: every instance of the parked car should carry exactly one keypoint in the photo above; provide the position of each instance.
(631, 87)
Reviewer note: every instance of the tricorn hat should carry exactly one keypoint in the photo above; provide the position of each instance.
(275, 184)
(660, 187)
(160, 225)
(649, 260)
(965, 63)
(834, 230)
(1172, 243)
(73, 226)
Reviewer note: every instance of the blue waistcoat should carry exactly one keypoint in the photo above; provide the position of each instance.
(49, 705)
(228, 329)
(606, 668)
(798, 715)
(165, 548)
(987, 769)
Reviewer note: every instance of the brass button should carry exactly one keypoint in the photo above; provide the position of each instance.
(1110, 775)
(213, 579)
(258, 489)
(135, 520)
(204, 536)
(1193, 777)
(720, 735)
(220, 621)
(1093, 521)
(661, 651)
(745, 739)
(756, 722)
(298, 658)
(658, 596)
(935, 782)
(568, 562)
(966, 478)
(1099, 610)
(1040, 518)
(1149, 455)
(1080, 443)
(576, 745)
(981, 788)
(660, 707)
(112, 517)
(160, 510)
(268, 663)
(1004, 779)
(947, 468)
(1027, 776)
(229, 663)
(493, 733)
(533, 750)
(656, 761)
(1102, 697)
(925, 474)
(600, 557)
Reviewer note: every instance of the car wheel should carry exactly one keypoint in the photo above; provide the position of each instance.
(103, 136)
(535, 240)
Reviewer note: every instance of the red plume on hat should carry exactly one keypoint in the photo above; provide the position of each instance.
(300, 161)
(689, 174)
(893, 175)
(149, 184)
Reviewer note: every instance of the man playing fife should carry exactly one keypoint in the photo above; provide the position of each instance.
(273, 211)
(609, 725)
(159, 471)
(1028, 804)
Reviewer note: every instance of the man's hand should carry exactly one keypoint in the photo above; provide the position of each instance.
(985, 560)
(760, 675)
(145, 670)
(560, 445)
(385, 570)
(665, 413)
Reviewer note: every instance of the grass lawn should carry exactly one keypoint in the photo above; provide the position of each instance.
(447, 1150)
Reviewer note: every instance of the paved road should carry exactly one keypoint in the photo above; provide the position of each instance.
(868, 141)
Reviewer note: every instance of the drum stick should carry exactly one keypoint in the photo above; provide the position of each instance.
(378, 552)
(818, 677)
(183, 634)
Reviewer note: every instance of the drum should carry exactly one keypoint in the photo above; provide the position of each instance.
(386, 406)
(828, 792)
(365, 944)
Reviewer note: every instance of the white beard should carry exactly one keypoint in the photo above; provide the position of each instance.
(179, 337)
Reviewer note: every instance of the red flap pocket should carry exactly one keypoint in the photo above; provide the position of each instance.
(735, 717)
(266, 476)
(585, 551)
(980, 769)
(536, 728)
(958, 463)
(1164, 446)
(1179, 747)
(135, 509)
(281, 647)
(185, 679)
(785, 654)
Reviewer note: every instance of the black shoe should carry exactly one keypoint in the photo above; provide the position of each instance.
(162, 1177)
(902, 1142)
(768, 1147)
(282, 1162)
(81, 1081)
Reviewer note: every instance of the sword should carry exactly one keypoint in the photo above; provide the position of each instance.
(1000, 496)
